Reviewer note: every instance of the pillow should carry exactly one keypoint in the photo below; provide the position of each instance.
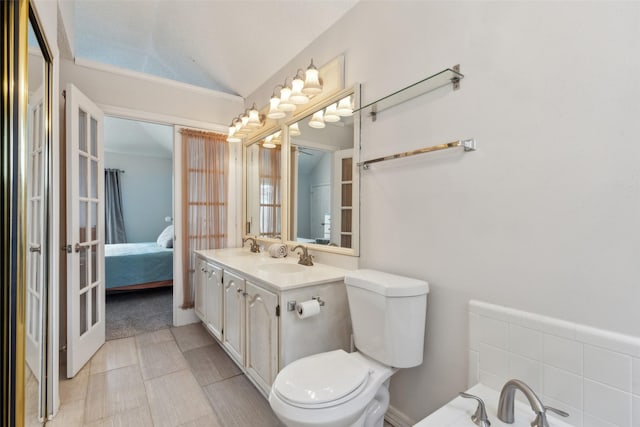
(165, 239)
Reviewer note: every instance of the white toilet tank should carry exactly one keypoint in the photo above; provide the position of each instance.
(388, 313)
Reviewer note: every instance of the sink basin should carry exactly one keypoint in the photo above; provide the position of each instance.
(282, 268)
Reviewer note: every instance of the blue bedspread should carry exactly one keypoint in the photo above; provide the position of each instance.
(134, 263)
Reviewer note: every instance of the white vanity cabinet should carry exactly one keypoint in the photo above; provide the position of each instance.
(233, 336)
(208, 295)
(259, 329)
(262, 335)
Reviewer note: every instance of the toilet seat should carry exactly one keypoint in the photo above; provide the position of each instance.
(322, 380)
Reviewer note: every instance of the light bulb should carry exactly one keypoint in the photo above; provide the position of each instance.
(254, 121)
(312, 84)
(331, 113)
(238, 126)
(344, 107)
(297, 97)
(274, 112)
(268, 142)
(285, 102)
(232, 137)
(317, 121)
(276, 137)
(244, 119)
(294, 130)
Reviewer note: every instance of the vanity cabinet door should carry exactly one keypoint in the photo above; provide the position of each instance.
(199, 289)
(213, 301)
(262, 336)
(234, 313)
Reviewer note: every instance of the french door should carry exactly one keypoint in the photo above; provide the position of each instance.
(36, 205)
(85, 230)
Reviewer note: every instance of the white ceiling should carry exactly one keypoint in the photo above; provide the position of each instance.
(139, 138)
(229, 46)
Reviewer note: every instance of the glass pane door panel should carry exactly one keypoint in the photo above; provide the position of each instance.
(94, 137)
(82, 175)
(94, 220)
(83, 268)
(94, 264)
(82, 226)
(94, 179)
(94, 306)
(35, 282)
(83, 313)
(82, 131)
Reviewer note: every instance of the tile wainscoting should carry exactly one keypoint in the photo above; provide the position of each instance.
(591, 373)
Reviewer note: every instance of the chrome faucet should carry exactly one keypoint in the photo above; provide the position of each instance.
(305, 258)
(507, 397)
(255, 248)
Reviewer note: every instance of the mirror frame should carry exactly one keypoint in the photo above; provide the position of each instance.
(285, 176)
(286, 149)
(16, 16)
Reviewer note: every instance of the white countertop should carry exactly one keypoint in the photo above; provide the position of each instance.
(458, 412)
(252, 265)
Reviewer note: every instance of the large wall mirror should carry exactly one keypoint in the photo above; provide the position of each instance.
(263, 187)
(323, 152)
(37, 214)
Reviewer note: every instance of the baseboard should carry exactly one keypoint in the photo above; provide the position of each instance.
(397, 418)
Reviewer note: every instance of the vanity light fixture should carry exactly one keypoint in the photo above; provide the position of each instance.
(268, 142)
(285, 99)
(331, 113)
(297, 84)
(312, 82)
(277, 138)
(232, 137)
(317, 121)
(255, 118)
(244, 119)
(285, 102)
(294, 130)
(274, 111)
(345, 109)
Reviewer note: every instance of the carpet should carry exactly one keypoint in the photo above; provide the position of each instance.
(131, 313)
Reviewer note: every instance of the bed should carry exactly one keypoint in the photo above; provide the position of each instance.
(132, 266)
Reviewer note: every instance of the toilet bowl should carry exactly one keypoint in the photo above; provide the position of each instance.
(340, 389)
(333, 389)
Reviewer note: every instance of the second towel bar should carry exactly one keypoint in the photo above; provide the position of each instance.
(467, 144)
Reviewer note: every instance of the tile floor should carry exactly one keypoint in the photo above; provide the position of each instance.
(171, 377)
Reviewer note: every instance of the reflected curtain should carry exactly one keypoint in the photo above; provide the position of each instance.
(113, 217)
(205, 169)
(270, 200)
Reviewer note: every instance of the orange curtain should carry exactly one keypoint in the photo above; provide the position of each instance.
(205, 169)
(270, 199)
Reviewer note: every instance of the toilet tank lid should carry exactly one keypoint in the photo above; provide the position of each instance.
(390, 285)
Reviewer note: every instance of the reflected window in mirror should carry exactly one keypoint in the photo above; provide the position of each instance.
(264, 187)
(322, 196)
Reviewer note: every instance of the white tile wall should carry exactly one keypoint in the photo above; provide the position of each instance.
(591, 373)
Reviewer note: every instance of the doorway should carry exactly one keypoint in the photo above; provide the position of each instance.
(139, 258)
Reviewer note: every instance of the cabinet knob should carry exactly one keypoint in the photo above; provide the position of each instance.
(239, 290)
(204, 270)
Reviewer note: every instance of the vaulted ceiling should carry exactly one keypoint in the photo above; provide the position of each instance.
(228, 46)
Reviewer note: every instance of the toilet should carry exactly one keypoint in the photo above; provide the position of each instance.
(340, 389)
